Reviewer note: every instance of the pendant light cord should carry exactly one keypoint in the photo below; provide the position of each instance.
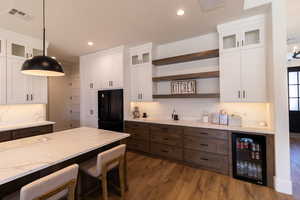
(44, 30)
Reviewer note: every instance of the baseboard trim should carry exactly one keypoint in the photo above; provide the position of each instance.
(283, 186)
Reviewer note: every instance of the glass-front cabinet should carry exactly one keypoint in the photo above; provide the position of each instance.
(17, 49)
(253, 37)
(243, 34)
(230, 41)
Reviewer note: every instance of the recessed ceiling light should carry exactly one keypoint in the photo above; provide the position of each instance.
(90, 43)
(180, 12)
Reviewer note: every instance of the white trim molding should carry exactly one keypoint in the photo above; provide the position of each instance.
(283, 185)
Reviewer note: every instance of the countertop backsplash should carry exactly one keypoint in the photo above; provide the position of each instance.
(192, 110)
(15, 114)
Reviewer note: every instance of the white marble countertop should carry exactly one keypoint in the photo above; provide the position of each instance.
(198, 124)
(24, 125)
(25, 156)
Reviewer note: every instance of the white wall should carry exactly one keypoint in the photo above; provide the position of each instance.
(61, 109)
(14, 114)
(279, 100)
(192, 109)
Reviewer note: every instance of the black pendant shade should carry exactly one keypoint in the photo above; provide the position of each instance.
(42, 65)
(296, 55)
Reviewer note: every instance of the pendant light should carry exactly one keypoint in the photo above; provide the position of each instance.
(42, 65)
(296, 55)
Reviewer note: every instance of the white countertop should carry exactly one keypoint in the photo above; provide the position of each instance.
(198, 124)
(24, 125)
(25, 156)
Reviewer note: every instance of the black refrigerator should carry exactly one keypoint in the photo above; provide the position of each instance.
(249, 158)
(110, 110)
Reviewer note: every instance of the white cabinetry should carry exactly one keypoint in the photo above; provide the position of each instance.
(2, 71)
(103, 70)
(243, 60)
(15, 87)
(141, 73)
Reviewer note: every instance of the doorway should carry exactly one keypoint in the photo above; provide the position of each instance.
(294, 98)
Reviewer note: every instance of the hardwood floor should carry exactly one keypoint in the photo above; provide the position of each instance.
(295, 164)
(157, 179)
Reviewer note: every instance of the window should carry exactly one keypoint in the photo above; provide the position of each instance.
(294, 89)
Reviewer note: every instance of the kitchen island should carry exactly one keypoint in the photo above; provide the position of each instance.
(25, 160)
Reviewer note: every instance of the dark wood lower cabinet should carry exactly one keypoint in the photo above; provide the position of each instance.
(26, 132)
(209, 161)
(208, 149)
(166, 151)
(138, 145)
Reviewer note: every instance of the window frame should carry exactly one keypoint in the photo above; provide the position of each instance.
(294, 69)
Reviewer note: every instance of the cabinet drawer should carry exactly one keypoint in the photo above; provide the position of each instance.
(206, 133)
(165, 129)
(5, 136)
(167, 151)
(169, 138)
(137, 131)
(29, 132)
(206, 144)
(214, 162)
(138, 145)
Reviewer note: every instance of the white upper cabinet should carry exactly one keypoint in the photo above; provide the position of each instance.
(18, 84)
(243, 60)
(21, 88)
(38, 90)
(141, 73)
(2, 71)
(241, 34)
(230, 79)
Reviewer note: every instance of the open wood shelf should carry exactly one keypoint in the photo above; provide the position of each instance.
(187, 57)
(173, 96)
(213, 74)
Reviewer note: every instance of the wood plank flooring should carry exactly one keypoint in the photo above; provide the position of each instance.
(295, 164)
(157, 179)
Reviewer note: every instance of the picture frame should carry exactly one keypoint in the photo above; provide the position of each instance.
(183, 87)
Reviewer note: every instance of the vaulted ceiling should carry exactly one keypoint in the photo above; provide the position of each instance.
(108, 23)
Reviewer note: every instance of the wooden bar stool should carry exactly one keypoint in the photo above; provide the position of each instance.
(99, 166)
(52, 187)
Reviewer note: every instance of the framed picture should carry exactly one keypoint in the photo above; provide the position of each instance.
(183, 87)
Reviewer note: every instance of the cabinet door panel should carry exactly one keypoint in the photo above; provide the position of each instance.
(18, 84)
(253, 36)
(135, 93)
(117, 70)
(230, 77)
(39, 89)
(254, 75)
(2, 80)
(145, 83)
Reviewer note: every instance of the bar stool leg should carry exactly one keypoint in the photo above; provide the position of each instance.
(104, 186)
(122, 178)
(125, 172)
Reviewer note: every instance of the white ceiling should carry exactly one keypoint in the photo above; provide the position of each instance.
(108, 23)
(293, 23)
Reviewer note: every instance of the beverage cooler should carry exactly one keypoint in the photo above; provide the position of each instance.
(249, 158)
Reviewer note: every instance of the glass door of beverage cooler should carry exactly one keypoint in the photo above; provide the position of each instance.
(249, 158)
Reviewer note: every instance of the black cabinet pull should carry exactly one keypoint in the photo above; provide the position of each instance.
(205, 145)
(202, 133)
(164, 151)
(205, 159)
